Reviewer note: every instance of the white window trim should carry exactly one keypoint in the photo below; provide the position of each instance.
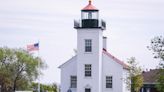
(91, 44)
(85, 71)
(71, 81)
(106, 81)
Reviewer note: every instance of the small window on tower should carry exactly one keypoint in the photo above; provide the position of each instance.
(88, 45)
(88, 70)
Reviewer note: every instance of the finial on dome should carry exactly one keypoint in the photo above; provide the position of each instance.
(90, 6)
(90, 1)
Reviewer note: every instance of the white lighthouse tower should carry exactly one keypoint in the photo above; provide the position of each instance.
(89, 50)
(92, 69)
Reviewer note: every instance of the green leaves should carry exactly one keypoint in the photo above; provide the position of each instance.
(18, 68)
(44, 88)
(160, 81)
(157, 46)
(135, 80)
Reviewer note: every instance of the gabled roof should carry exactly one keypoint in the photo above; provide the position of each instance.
(125, 66)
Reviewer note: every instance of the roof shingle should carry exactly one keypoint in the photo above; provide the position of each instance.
(150, 77)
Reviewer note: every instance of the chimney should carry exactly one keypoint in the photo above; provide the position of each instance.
(104, 43)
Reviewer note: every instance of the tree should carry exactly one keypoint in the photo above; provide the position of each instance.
(18, 69)
(44, 87)
(157, 46)
(160, 81)
(134, 80)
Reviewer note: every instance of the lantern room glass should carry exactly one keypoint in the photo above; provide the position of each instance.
(89, 15)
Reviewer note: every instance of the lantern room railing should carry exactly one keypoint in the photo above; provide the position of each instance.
(90, 23)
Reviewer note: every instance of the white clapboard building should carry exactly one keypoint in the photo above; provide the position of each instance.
(93, 68)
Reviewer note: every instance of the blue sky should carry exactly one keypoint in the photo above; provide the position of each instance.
(130, 26)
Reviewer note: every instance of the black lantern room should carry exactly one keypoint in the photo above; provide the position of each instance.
(89, 18)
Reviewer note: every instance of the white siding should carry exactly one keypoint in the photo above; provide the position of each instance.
(112, 68)
(102, 66)
(68, 69)
(94, 58)
(125, 75)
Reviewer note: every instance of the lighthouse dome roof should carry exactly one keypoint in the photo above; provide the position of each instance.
(89, 7)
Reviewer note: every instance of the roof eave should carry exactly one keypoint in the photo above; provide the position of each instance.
(66, 62)
(125, 66)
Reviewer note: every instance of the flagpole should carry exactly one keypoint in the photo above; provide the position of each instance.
(38, 68)
(34, 47)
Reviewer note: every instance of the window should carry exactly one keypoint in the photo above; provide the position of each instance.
(90, 15)
(88, 69)
(87, 90)
(73, 81)
(108, 81)
(88, 45)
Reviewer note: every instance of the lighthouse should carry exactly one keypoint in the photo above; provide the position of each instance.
(90, 18)
(93, 68)
(89, 49)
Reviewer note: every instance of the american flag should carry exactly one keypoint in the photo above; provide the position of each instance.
(33, 47)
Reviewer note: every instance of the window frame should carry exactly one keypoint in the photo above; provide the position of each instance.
(94, 15)
(109, 81)
(73, 81)
(88, 45)
(88, 70)
(88, 89)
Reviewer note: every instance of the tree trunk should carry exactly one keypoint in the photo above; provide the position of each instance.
(14, 85)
